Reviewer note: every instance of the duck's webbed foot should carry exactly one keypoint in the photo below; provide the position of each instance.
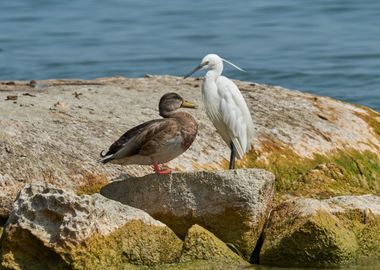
(166, 171)
(160, 171)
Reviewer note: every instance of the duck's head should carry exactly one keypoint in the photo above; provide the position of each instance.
(171, 102)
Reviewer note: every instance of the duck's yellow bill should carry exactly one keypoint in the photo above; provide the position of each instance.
(188, 104)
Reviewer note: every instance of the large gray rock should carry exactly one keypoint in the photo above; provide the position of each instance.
(334, 232)
(50, 228)
(231, 204)
(55, 130)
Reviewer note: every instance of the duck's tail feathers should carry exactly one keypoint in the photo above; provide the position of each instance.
(105, 158)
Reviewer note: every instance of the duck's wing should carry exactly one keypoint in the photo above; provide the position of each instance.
(131, 134)
(143, 139)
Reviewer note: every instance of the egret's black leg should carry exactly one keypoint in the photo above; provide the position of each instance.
(233, 155)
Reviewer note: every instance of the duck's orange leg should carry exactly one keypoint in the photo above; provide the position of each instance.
(159, 171)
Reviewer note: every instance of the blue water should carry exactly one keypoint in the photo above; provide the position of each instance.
(328, 47)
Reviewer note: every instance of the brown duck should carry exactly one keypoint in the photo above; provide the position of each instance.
(157, 141)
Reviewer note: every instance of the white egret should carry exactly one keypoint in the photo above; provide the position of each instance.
(226, 107)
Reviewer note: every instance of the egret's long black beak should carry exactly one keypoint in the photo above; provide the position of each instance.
(194, 70)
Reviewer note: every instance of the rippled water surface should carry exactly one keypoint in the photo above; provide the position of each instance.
(329, 47)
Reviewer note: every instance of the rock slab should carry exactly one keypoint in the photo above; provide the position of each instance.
(231, 204)
(56, 129)
(335, 232)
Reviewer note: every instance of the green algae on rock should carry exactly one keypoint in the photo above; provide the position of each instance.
(341, 172)
(329, 233)
(20, 249)
(320, 241)
(201, 244)
(317, 146)
(135, 244)
(372, 118)
(203, 250)
(91, 184)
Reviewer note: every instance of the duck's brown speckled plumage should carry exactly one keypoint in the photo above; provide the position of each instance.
(189, 130)
(158, 140)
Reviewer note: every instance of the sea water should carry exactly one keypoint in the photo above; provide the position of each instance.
(328, 47)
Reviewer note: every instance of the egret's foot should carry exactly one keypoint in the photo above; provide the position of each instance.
(233, 156)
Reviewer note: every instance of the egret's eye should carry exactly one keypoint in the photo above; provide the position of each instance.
(205, 63)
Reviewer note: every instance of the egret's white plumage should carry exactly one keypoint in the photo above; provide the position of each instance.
(225, 105)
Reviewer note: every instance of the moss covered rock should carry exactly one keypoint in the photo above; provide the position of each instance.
(319, 147)
(231, 204)
(50, 228)
(203, 250)
(340, 172)
(201, 244)
(329, 233)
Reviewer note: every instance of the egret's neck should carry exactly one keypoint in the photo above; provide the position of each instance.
(210, 90)
(215, 72)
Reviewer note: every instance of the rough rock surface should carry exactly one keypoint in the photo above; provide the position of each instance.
(54, 130)
(50, 228)
(231, 204)
(201, 244)
(334, 232)
(203, 250)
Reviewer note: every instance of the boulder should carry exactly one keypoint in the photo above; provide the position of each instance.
(335, 232)
(55, 129)
(201, 244)
(231, 204)
(50, 228)
(203, 250)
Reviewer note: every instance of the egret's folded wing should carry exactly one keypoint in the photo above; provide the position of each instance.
(235, 114)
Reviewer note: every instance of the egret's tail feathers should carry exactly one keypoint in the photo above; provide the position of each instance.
(235, 66)
(239, 150)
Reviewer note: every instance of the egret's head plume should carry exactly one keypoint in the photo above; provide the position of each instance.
(235, 66)
(213, 62)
